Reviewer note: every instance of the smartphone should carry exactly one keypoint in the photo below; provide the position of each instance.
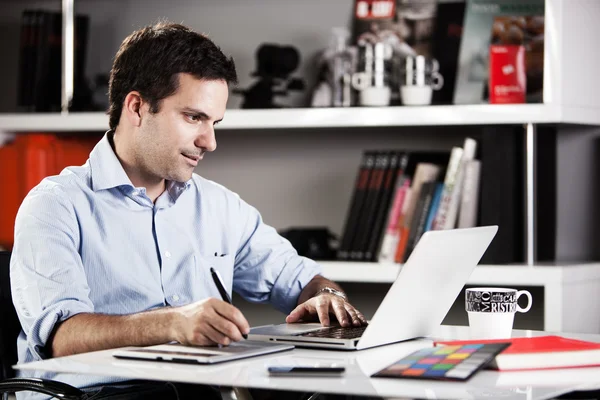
(305, 371)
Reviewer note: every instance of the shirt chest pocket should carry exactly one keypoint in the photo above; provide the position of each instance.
(223, 264)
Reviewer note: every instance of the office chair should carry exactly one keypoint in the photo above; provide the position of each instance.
(9, 331)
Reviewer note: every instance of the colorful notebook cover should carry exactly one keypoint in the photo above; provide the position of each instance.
(455, 363)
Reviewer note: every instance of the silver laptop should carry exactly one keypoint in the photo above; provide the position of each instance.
(416, 304)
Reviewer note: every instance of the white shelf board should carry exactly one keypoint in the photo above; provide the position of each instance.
(389, 116)
(539, 275)
(54, 122)
(483, 114)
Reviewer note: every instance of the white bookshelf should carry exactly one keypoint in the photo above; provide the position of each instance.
(308, 179)
(363, 117)
(570, 76)
(514, 274)
(571, 300)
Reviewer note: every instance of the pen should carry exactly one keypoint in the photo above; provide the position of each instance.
(222, 291)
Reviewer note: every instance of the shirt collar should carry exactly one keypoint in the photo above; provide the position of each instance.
(107, 171)
(175, 189)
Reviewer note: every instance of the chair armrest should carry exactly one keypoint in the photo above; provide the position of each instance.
(51, 388)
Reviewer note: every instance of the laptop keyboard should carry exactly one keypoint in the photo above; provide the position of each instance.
(337, 332)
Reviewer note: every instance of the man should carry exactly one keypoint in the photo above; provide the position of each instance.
(117, 252)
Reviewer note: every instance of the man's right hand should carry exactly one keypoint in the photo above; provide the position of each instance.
(209, 322)
(204, 323)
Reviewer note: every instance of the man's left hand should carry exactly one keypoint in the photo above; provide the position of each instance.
(324, 305)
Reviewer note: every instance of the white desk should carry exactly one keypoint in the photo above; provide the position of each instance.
(252, 373)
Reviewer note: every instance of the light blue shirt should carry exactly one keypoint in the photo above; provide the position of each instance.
(88, 241)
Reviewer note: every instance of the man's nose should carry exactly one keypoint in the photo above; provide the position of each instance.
(207, 140)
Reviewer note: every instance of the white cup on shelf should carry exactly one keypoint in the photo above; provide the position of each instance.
(420, 78)
(375, 96)
(416, 95)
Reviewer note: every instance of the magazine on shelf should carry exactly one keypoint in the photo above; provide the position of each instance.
(527, 23)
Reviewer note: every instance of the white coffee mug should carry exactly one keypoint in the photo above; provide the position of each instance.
(370, 94)
(492, 311)
(374, 96)
(416, 95)
(420, 94)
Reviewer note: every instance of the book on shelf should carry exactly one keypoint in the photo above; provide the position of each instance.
(40, 60)
(356, 204)
(383, 203)
(449, 183)
(365, 218)
(425, 172)
(391, 237)
(383, 209)
(542, 352)
(479, 27)
(446, 217)
(399, 195)
(435, 204)
(423, 206)
(406, 25)
(25, 60)
(48, 54)
(371, 16)
(470, 195)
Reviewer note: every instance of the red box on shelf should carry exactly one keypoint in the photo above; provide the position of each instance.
(508, 79)
(26, 161)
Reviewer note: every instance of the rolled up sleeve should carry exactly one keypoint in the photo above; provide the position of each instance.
(47, 276)
(268, 268)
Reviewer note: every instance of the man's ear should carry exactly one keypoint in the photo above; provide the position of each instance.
(132, 108)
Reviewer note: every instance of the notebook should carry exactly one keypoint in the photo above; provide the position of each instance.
(542, 352)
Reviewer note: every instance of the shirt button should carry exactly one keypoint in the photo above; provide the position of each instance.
(175, 297)
(168, 254)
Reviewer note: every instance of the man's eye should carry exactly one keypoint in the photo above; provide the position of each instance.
(194, 118)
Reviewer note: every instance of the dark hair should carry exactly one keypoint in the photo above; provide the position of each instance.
(149, 60)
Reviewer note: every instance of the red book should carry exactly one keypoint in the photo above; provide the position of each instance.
(543, 352)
